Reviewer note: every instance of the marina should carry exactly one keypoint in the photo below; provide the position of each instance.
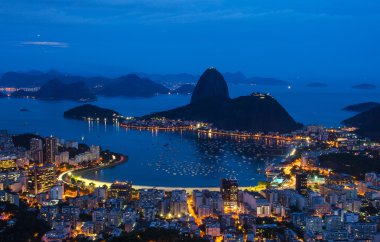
(166, 157)
(201, 158)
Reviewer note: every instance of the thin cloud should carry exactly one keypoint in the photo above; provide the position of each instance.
(46, 43)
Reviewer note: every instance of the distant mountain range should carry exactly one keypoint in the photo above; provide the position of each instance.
(76, 87)
(230, 77)
(58, 86)
(38, 78)
(211, 103)
(132, 86)
(184, 89)
(169, 78)
(57, 90)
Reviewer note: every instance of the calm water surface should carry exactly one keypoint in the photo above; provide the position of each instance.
(174, 159)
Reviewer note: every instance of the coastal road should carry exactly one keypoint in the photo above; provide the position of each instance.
(108, 184)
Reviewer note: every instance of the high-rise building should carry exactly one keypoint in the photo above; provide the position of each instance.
(62, 158)
(51, 149)
(41, 178)
(333, 223)
(121, 190)
(362, 231)
(301, 183)
(95, 152)
(8, 163)
(56, 192)
(178, 203)
(11, 197)
(36, 150)
(313, 224)
(101, 192)
(229, 189)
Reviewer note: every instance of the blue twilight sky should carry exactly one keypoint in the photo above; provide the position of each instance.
(316, 39)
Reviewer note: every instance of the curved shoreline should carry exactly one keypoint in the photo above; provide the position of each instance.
(98, 183)
(115, 163)
(82, 170)
(108, 184)
(138, 187)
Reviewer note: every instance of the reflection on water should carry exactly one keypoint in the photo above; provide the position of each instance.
(166, 158)
(193, 160)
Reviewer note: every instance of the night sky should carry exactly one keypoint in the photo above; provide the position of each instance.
(317, 39)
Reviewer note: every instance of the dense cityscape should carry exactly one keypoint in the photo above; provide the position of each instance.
(189, 120)
(301, 199)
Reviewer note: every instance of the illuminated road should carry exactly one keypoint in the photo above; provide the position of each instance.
(213, 132)
(192, 212)
(108, 184)
(188, 189)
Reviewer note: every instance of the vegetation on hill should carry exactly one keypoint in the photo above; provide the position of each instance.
(27, 226)
(210, 85)
(210, 103)
(367, 123)
(90, 111)
(349, 163)
(248, 113)
(23, 140)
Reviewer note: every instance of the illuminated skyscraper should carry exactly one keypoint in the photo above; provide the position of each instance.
(41, 178)
(121, 190)
(301, 183)
(51, 149)
(229, 189)
(8, 163)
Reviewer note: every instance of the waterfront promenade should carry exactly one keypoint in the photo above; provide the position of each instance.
(77, 175)
(215, 132)
(108, 184)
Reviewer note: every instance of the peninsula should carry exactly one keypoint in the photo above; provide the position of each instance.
(367, 123)
(210, 102)
(88, 111)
